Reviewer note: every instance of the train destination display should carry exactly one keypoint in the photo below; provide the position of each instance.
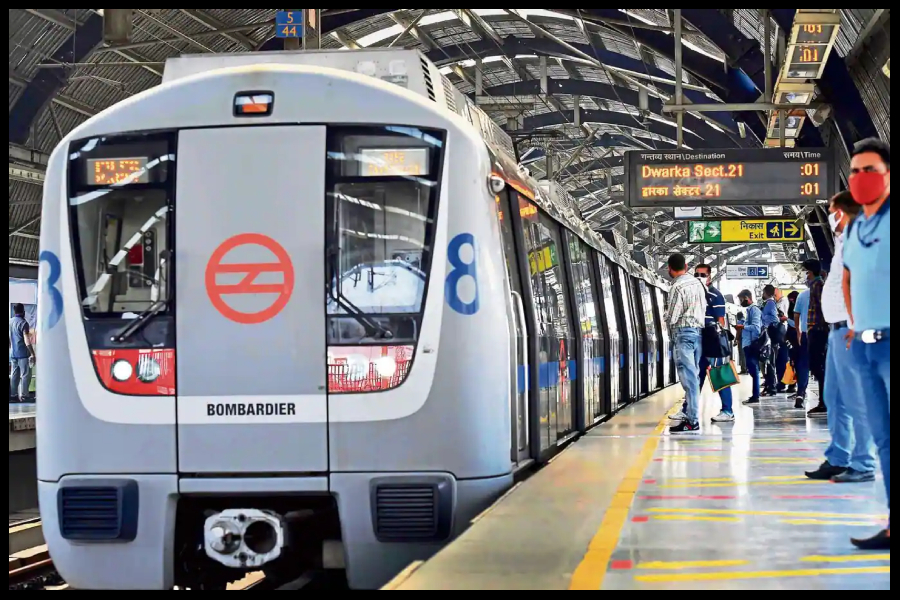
(729, 178)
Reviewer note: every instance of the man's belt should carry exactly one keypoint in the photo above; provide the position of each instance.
(873, 336)
(840, 325)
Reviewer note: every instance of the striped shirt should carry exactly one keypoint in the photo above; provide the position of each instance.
(687, 303)
(816, 318)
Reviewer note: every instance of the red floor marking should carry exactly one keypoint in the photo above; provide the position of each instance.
(650, 481)
(688, 498)
(641, 520)
(821, 498)
(621, 565)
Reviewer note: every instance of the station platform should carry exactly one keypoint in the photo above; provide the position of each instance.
(632, 507)
(22, 427)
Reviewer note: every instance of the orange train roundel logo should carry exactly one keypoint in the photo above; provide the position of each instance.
(246, 286)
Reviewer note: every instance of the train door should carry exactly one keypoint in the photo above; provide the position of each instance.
(673, 372)
(659, 308)
(618, 336)
(251, 309)
(631, 363)
(643, 337)
(592, 345)
(653, 355)
(519, 331)
(555, 331)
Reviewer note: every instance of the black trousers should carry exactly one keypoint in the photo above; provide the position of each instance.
(818, 357)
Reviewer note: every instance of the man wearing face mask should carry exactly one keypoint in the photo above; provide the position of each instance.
(750, 340)
(867, 277)
(851, 456)
(818, 332)
(715, 315)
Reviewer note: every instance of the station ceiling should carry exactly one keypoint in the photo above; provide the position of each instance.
(61, 73)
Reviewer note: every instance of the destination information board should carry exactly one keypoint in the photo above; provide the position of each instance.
(681, 178)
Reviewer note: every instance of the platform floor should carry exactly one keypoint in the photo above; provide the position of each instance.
(630, 507)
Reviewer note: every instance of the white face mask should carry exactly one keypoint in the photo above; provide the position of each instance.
(834, 219)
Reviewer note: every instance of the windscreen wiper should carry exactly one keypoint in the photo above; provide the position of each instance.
(142, 321)
(372, 327)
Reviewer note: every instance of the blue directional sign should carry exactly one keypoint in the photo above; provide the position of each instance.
(748, 272)
(289, 24)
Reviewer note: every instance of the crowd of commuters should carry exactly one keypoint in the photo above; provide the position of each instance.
(837, 331)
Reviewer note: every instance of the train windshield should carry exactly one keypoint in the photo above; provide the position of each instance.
(381, 212)
(120, 198)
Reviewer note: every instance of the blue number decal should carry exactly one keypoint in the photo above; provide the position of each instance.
(56, 298)
(460, 270)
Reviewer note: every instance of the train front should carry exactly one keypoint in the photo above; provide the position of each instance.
(243, 305)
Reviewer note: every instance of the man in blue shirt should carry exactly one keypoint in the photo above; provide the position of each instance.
(21, 355)
(771, 323)
(867, 276)
(749, 340)
(801, 318)
(715, 314)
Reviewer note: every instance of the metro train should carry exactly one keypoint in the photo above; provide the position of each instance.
(306, 312)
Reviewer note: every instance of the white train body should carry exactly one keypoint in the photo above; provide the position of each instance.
(279, 333)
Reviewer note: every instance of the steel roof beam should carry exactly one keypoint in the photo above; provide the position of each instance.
(55, 16)
(217, 26)
(594, 89)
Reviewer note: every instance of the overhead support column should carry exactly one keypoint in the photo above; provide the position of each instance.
(312, 28)
(479, 77)
(118, 24)
(679, 74)
(767, 42)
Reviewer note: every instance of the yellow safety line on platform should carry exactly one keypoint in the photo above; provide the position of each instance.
(680, 566)
(832, 523)
(689, 518)
(736, 484)
(766, 513)
(849, 558)
(737, 575)
(590, 574)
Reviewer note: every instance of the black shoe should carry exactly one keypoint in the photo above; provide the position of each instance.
(767, 394)
(882, 541)
(826, 472)
(781, 391)
(685, 427)
(752, 402)
(819, 411)
(800, 404)
(792, 389)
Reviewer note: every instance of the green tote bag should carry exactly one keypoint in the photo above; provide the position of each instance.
(723, 376)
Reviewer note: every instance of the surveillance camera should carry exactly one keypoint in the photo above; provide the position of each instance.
(496, 185)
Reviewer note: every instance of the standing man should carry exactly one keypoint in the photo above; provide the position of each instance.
(715, 315)
(867, 276)
(851, 456)
(772, 324)
(818, 332)
(784, 354)
(21, 355)
(801, 364)
(753, 329)
(686, 315)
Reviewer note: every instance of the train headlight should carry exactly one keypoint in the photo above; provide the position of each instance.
(122, 371)
(386, 367)
(148, 369)
(496, 184)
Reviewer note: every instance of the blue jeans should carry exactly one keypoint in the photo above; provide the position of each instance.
(873, 364)
(688, 349)
(802, 365)
(725, 395)
(784, 357)
(851, 439)
(19, 378)
(753, 368)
